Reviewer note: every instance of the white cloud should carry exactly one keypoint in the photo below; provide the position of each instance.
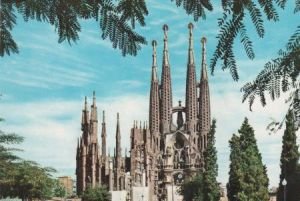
(131, 83)
(51, 127)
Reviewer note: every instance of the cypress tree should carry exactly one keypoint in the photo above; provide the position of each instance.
(248, 181)
(211, 188)
(233, 186)
(289, 162)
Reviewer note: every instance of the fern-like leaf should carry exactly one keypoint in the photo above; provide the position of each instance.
(246, 42)
(256, 18)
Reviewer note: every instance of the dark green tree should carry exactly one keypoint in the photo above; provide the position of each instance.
(249, 180)
(8, 158)
(211, 189)
(289, 162)
(192, 189)
(235, 172)
(96, 194)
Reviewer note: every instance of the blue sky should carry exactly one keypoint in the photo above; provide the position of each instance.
(43, 87)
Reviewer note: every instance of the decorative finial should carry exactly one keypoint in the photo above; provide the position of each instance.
(203, 40)
(85, 103)
(179, 102)
(190, 26)
(103, 116)
(165, 29)
(94, 98)
(118, 117)
(154, 43)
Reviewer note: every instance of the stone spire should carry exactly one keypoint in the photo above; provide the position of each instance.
(166, 88)
(103, 135)
(191, 84)
(154, 96)
(118, 143)
(203, 64)
(85, 122)
(204, 100)
(94, 121)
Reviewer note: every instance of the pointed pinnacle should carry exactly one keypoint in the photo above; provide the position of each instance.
(204, 70)
(85, 103)
(165, 52)
(94, 98)
(191, 48)
(103, 116)
(154, 61)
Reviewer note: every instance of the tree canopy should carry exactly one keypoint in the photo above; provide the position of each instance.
(192, 189)
(247, 175)
(99, 193)
(21, 178)
(289, 162)
(211, 189)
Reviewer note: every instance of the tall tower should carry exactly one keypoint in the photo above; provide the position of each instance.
(118, 155)
(166, 88)
(94, 121)
(118, 141)
(191, 90)
(154, 101)
(204, 101)
(88, 168)
(103, 135)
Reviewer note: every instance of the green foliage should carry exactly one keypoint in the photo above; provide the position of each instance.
(18, 178)
(7, 157)
(232, 24)
(247, 176)
(65, 16)
(193, 189)
(133, 10)
(59, 190)
(96, 194)
(27, 180)
(289, 162)
(211, 189)
(195, 7)
(279, 76)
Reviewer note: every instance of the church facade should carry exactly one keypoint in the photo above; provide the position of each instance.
(163, 153)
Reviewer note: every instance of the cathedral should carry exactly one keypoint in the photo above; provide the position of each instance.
(161, 154)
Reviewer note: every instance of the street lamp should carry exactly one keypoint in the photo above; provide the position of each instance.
(284, 190)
